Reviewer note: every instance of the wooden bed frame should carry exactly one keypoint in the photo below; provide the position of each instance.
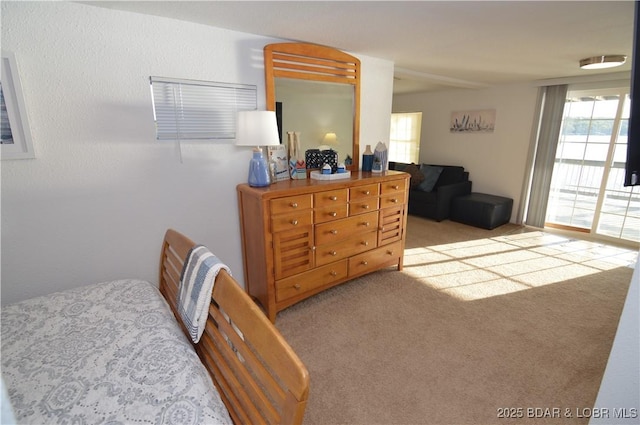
(259, 377)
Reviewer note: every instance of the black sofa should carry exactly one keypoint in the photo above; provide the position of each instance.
(453, 181)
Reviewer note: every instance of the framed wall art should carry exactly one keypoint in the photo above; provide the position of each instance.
(479, 121)
(16, 140)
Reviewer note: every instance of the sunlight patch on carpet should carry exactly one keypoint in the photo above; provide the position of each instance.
(551, 275)
(488, 289)
(489, 267)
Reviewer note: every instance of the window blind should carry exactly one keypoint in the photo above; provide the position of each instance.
(198, 110)
(404, 140)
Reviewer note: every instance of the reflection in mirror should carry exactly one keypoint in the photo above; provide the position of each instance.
(316, 109)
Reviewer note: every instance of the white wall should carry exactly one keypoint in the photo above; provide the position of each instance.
(496, 161)
(618, 400)
(95, 202)
(376, 91)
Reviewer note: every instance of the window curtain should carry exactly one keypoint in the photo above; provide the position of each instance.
(552, 100)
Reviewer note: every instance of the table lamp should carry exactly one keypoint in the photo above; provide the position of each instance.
(257, 128)
(329, 140)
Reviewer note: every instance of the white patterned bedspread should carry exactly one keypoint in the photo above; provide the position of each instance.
(110, 353)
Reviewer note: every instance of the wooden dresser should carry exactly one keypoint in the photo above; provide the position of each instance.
(301, 237)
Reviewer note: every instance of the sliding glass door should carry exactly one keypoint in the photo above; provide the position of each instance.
(587, 192)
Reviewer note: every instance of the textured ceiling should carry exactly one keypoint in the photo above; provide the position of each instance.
(434, 44)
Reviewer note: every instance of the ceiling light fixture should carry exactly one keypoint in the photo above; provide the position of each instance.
(600, 62)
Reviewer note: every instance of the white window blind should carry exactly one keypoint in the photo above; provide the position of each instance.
(404, 140)
(193, 110)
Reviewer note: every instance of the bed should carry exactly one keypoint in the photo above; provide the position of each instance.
(118, 352)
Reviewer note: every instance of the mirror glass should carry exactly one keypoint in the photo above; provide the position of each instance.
(318, 110)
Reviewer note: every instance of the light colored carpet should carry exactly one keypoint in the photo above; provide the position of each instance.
(476, 322)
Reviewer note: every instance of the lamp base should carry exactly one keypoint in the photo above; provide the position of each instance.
(259, 170)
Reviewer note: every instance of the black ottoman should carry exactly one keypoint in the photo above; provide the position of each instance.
(481, 210)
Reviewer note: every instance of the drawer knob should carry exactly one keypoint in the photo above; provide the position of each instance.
(333, 232)
(394, 200)
(364, 262)
(294, 205)
(333, 253)
(366, 192)
(296, 286)
(313, 248)
(365, 243)
(366, 207)
(333, 198)
(395, 186)
(390, 252)
(333, 214)
(366, 224)
(334, 273)
(294, 222)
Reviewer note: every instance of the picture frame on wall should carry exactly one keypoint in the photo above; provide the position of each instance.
(477, 121)
(16, 142)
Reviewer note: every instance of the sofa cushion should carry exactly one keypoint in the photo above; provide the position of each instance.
(450, 174)
(431, 174)
(419, 198)
(416, 175)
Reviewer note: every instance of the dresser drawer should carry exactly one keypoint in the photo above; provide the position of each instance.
(375, 259)
(345, 248)
(293, 251)
(322, 215)
(392, 200)
(330, 198)
(364, 191)
(363, 205)
(316, 278)
(391, 224)
(291, 221)
(338, 230)
(290, 204)
(391, 186)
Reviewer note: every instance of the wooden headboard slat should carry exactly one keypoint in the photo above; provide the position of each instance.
(271, 385)
(230, 388)
(236, 305)
(238, 384)
(174, 265)
(259, 385)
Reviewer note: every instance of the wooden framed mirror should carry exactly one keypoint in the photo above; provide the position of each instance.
(318, 89)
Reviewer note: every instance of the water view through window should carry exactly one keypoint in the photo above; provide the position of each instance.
(587, 192)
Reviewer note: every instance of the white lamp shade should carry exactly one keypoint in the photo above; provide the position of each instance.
(330, 139)
(257, 128)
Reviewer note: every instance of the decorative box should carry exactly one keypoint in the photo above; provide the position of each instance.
(330, 157)
(314, 158)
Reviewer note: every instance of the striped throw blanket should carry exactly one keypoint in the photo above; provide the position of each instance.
(196, 284)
